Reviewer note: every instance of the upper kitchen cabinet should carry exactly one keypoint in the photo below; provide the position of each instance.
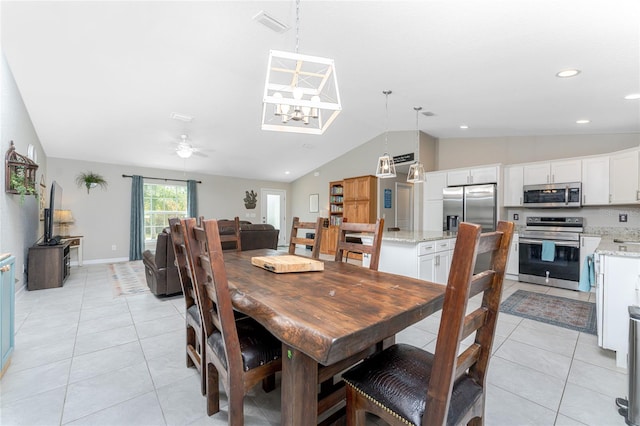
(360, 199)
(595, 181)
(553, 172)
(512, 184)
(434, 183)
(623, 177)
(472, 176)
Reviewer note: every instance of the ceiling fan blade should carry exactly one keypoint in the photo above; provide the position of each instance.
(199, 153)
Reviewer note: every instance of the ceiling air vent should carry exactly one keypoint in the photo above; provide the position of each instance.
(270, 22)
(181, 117)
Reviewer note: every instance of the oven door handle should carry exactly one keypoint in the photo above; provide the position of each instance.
(560, 244)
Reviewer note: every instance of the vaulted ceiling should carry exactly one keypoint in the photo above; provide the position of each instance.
(101, 79)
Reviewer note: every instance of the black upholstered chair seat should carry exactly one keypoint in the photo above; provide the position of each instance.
(397, 380)
(193, 315)
(257, 345)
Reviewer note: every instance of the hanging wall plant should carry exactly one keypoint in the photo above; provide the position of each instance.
(91, 180)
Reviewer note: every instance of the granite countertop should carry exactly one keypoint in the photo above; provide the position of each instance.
(608, 246)
(413, 237)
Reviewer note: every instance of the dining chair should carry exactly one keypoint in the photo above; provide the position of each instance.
(344, 246)
(195, 334)
(233, 237)
(313, 242)
(239, 352)
(404, 384)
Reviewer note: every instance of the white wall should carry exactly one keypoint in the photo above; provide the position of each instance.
(103, 216)
(20, 226)
(465, 152)
(359, 161)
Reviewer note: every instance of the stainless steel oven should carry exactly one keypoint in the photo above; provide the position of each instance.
(549, 251)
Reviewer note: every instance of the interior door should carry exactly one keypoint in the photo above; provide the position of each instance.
(404, 206)
(273, 209)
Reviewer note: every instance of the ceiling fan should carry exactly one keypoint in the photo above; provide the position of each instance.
(184, 149)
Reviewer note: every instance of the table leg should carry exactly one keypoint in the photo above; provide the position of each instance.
(299, 388)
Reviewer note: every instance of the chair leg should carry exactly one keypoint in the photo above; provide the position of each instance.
(236, 406)
(269, 383)
(213, 390)
(191, 341)
(356, 416)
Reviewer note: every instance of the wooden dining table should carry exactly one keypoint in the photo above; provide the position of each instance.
(324, 317)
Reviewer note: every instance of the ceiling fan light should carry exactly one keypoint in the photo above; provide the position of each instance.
(184, 152)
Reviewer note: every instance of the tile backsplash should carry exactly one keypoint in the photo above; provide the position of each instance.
(598, 220)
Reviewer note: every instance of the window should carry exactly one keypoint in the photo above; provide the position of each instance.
(161, 202)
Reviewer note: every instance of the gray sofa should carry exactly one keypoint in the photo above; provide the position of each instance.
(253, 236)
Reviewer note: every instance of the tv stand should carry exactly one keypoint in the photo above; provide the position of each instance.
(49, 266)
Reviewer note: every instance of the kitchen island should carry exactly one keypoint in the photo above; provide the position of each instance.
(417, 254)
(617, 264)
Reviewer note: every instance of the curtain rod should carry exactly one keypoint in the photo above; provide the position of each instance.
(164, 179)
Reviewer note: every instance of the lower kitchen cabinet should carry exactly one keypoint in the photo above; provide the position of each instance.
(513, 266)
(7, 310)
(617, 288)
(434, 260)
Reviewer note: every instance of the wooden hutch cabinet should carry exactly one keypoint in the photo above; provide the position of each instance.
(360, 199)
(353, 199)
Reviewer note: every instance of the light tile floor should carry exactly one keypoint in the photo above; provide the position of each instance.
(86, 357)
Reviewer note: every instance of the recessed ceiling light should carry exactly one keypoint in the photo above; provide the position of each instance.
(287, 172)
(583, 121)
(633, 96)
(568, 73)
(464, 126)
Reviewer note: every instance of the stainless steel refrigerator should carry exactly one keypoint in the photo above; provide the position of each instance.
(472, 203)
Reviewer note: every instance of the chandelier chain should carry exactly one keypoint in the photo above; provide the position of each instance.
(297, 24)
(386, 119)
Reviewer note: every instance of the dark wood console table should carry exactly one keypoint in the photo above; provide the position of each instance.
(48, 266)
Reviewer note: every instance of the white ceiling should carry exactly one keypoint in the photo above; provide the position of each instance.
(100, 79)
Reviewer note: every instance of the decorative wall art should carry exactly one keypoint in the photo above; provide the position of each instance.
(250, 199)
(313, 203)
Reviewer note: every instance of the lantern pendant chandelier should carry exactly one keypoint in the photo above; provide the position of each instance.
(416, 170)
(386, 167)
(301, 91)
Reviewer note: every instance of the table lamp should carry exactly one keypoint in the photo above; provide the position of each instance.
(63, 218)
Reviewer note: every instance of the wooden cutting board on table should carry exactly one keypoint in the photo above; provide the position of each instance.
(287, 263)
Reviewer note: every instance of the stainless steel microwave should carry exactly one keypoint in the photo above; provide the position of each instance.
(553, 195)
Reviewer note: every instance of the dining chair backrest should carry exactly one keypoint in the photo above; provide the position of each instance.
(303, 240)
(371, 230)
(212, 287)
(235, 236)
(194, 332)
(456, 325)
(238, 351)
(406, 384)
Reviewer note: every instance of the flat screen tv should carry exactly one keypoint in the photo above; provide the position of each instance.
(55, 203)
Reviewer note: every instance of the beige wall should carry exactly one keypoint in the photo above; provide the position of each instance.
(102, 216)
(465, 152)
(20, 226)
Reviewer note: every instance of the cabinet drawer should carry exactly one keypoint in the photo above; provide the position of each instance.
(426, 248)
(435, 246)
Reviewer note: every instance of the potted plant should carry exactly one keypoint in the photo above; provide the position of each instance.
(90, 180)
(21, 185)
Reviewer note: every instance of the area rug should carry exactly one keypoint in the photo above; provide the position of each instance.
(561, 311)
(128, 278)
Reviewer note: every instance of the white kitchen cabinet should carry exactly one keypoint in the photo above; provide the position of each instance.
(433, 216)
(623, 177)
(513, 267)
(595, 181)
(435, 260)
(512, 183)
(618, 288)
(434, 183)
(472, 176)
(553, 172)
